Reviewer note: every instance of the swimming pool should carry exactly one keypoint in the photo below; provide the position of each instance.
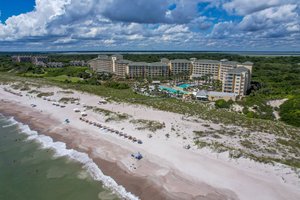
(172, 90)
(184, 85)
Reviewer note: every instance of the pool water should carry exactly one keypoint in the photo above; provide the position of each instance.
(172, 90)
(184, 86)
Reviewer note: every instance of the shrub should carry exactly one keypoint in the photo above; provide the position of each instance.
(116, 85)
(221, 103)
(290, 111)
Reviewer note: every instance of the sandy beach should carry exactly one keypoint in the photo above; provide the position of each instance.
(167, 170)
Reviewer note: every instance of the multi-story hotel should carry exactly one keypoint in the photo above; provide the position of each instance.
(121, 68)
(143, 69)
(30, 58)
(225, 66)
(234, 76)
(179, 66)
(102, 64)
(237, 81)
(206, 68)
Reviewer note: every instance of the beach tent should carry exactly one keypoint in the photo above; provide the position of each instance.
(137, 155)
(76, 110)
(83, 114)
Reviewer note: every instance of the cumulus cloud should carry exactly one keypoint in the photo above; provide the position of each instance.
(166, 24)
(271, 18)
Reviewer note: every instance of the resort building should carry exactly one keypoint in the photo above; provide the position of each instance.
(77, 63)
(203, 68)
(29, 58)
(237, 81)
(55, 64)
(235, 76)
(143, 69)
(121, 68)
(115, 58)
(180, 66)
(101, 64)
(225, 66)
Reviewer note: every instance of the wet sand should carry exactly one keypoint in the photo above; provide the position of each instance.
(144, 187)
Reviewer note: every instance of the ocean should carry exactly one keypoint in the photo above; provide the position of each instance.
(33, 167)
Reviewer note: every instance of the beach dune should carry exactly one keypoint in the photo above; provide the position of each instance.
(167, 170)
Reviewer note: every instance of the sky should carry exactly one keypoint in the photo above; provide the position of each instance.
(153, 25)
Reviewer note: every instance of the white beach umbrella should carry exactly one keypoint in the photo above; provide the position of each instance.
(83, 114)
(76, 110)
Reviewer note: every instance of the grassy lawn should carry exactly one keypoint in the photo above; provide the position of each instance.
(63, 78)
(196, 109)
(199, 110)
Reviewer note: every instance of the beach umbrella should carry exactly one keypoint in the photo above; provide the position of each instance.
(83, 114)
(76, 110)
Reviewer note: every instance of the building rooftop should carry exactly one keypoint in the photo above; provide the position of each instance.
(248, 63)
(180, 61)
(202, 93)
(238, 70)
(148, 64)
(124, 61)
(208, 61)
(103, 57)
(230, 62)
(221, 94)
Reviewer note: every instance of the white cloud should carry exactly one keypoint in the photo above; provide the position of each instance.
(142, 23)
(245, 7)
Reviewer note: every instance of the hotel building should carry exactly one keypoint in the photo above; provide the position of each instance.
(179, 66)
(121, 68)
(29, 58)
(237, 81)
(235, 76)
(206, 67)
(143, 69)
(101, 64)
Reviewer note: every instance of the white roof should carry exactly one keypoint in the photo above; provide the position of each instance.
(202, 93)
(221, 94)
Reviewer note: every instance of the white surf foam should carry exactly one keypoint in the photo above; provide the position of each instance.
(11, 124)
(61, 150)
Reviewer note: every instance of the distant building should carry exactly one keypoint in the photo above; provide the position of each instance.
(203, 68)
(29, 58)
(235, 76)
(114, 59)
(77, 63)
(40, 64)
(143, 69)
(179, 66)
(55, 64)
(121, 67)
(101, 64)
(237, 81)
(225, 67)
(37, 59)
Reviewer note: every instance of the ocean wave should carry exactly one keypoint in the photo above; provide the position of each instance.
(9, 125)
(60, 150)
(11, 119)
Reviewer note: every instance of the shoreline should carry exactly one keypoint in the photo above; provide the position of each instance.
(167, 171)
(143, 187)
(109, 168)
